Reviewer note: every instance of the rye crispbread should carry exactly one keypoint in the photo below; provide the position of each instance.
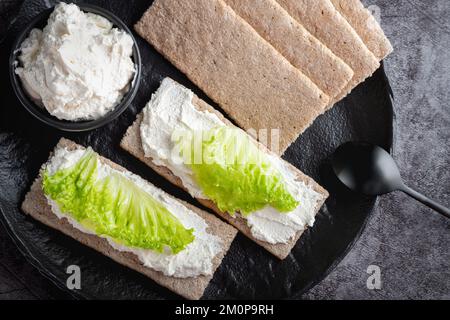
(324, 22)
(131, 142)
(36, 205)
(366, 26)
(224, 56)
(295, 43)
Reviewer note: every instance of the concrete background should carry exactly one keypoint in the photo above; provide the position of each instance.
(408, 242)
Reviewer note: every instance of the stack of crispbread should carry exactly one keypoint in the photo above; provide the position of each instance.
(366, 26)
(337, 31)
(269, 64)
(330, 73)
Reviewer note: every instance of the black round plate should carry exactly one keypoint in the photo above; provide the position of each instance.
(247, 271)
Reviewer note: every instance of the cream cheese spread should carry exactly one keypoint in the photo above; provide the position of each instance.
(78, 67)
(195, 260)
(169, 110)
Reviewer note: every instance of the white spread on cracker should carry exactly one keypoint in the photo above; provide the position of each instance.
(78, 67)
(171, 109)
(195, 260)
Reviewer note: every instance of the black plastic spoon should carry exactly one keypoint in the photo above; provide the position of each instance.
(370, 170)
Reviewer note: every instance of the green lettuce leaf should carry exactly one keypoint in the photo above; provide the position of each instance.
(114, 206)
(232, 171)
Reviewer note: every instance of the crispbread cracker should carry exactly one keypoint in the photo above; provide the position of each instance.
(324, 22)
(131, 142)
(366, 26)
(295, 43)
(36, 205)
(223, 55)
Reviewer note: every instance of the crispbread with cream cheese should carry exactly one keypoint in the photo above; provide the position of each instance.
(295, 43)
(36, 205)
(223, 55)
(324, 22)
(365, 25)
(132, 143)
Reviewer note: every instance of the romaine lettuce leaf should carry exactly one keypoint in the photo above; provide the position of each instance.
(114, 206)
(232, 171)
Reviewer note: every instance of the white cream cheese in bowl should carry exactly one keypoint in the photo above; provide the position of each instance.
(78, 66)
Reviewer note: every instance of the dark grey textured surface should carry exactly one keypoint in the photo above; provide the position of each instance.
(407, 241)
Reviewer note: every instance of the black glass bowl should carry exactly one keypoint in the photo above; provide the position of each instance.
(40, 21)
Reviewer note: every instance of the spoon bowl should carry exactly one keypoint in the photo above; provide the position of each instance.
(370, 170)
(366, 168)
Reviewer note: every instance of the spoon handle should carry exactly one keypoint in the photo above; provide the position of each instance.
(426, 201)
